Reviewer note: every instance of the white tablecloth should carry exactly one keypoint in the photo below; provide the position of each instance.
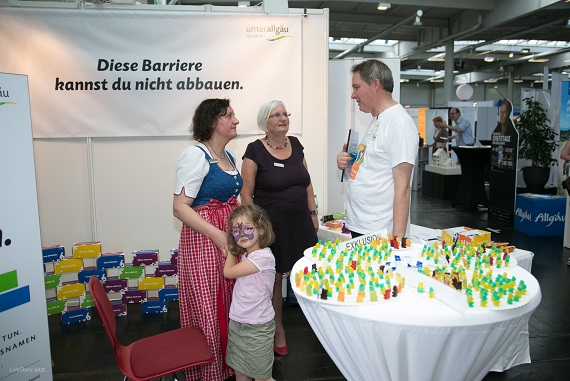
(415, 338)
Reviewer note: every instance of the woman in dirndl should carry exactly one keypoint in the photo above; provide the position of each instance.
(206, 190)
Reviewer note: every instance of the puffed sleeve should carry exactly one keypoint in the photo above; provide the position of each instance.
(250, 153)
(263, 259)
(191, 168)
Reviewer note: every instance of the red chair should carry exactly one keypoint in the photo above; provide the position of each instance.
(153, 356)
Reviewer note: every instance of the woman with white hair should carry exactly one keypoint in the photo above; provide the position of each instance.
(275, 177)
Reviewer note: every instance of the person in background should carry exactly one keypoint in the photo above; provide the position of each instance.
(463, 132)
(205, 192)
(252, 328)
(275, 177)
(378, 194)
(439, 136)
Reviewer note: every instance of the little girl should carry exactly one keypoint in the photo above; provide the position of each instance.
(252, 328)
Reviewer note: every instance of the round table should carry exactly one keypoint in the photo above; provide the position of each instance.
(415, 338)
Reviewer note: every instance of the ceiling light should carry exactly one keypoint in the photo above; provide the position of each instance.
(383, 6)
(434, 80)
(518, 81)
(537, 60)
(511, 55)
(489, 59)
(419, 14)
(243, 4)
(525, 50)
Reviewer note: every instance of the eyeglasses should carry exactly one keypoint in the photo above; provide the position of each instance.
(243, 229)
(278, 116)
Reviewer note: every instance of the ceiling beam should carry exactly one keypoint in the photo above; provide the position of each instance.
(361, 18)
(479, 5)
(508, 10)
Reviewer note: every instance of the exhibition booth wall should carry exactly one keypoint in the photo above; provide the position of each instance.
(116, 186)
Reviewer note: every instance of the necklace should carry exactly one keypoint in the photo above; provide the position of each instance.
(215, 153)
(272, 146)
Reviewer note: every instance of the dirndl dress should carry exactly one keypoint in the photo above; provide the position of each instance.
(204, 293)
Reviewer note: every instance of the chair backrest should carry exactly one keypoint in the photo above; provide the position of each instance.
(105, 309)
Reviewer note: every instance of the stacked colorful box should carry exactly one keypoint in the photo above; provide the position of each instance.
(147, 261)
(61, 280)
(69, 290)
(76, 272)
(66, 279)
(146, 280)
(86, 250)
(112, 265)
(160, 280)
(51, 255)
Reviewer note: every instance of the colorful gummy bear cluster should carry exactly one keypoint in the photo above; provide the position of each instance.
(399, 243)
(469, 270)
(349, 284)
(467, 256)
(450, 276)
(378, 251)
(494, 290)
(421, 290)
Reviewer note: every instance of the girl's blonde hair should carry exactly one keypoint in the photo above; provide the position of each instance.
(257, 216)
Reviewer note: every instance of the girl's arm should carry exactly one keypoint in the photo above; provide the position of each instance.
(233, 269)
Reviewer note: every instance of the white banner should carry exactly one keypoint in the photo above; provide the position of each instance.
(97, 73)
(24, 337)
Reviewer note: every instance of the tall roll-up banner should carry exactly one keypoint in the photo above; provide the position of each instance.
(24, 335)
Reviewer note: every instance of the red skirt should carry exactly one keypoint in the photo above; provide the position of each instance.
(204, 294)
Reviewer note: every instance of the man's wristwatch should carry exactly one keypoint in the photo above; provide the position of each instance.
(313, 212)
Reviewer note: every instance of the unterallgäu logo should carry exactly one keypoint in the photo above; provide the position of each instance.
(4, 94)
(268, 32)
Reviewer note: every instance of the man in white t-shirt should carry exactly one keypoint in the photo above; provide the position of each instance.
(379, 185)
